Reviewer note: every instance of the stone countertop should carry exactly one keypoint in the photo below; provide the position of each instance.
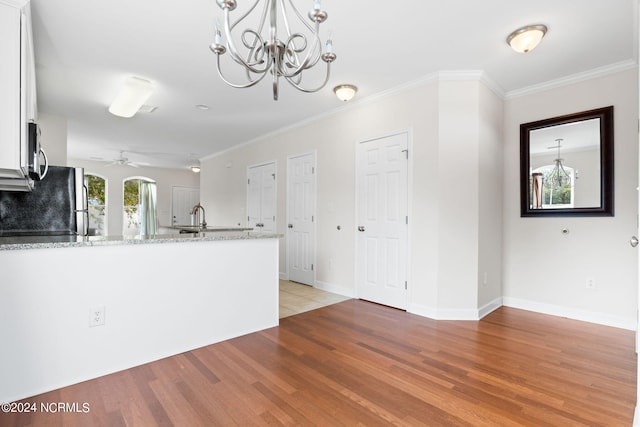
(39, 242)
(194, 228)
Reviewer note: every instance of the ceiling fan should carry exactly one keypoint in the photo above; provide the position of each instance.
(121, 160)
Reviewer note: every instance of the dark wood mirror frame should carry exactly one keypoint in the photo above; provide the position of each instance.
(606, 165)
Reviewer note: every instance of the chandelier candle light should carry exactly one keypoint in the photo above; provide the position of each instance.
(264, 53)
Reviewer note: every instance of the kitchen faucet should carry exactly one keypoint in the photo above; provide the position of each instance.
(195, 210)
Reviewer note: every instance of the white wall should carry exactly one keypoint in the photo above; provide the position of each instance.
(54, 137)
(546, 270)
(456, 240)
(115, 174)
(458, 202)
(491, 199)
(169, 307)
(446, 129)
(223, 180)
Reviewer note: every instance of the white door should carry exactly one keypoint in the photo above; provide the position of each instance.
(634, 243)
(301, 204)
(381, 259)
(261, 197)
(183, 199)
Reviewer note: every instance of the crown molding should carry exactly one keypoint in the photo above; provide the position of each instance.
(451, 75)
(473, 75)
(574, 78)
(15, 3)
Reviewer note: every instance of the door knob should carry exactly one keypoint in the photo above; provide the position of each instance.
(634, 241)
(360, 228)
(290, 226)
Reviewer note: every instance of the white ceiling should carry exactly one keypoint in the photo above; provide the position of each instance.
(85, 49)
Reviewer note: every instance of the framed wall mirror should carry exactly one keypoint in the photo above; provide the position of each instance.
(566, 165)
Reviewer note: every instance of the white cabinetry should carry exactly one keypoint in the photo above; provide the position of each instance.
(17, 86)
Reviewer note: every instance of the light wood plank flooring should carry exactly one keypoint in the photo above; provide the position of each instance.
(356, 363)
(296, 298)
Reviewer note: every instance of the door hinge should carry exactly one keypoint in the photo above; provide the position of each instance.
(273, 175)
(406, 219)
(313, 169)
(248, 219)
(311, 267)
(312, 218)
(405, 285)
(274, 217)
(406, 152)
(248, 181)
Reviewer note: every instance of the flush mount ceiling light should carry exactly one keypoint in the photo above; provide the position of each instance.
(261, 52)
(195, 169)
(345, 92)
(131, 97)
(526, 38)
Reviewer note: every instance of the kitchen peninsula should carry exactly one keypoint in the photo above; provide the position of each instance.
(73, 309)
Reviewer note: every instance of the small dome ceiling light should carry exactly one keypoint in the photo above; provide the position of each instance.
(526, 38)
(345, 92)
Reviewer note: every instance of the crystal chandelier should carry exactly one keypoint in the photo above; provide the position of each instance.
(263, 51)
(559, 177)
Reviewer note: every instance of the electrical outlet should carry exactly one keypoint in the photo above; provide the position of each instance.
(590, 283)
(96, 316)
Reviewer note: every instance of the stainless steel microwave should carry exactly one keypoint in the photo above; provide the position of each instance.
(37, 169)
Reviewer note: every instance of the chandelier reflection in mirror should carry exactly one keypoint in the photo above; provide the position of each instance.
(559, 177)
(261, 51)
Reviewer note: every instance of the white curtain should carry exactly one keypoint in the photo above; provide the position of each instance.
(148, 211)
(537, 191)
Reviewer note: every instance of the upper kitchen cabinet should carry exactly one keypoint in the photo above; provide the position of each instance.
(18, 105)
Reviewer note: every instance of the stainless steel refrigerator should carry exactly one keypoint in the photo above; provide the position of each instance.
(57, 206)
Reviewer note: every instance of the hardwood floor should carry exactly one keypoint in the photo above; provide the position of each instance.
(358, 363)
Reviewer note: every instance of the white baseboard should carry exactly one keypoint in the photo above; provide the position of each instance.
(443, 314)
(636, 417)
(477, 314)
(489, 307)
(335, 289)
(571, 313)
(455, 314)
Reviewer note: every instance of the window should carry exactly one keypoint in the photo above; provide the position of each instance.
(139, 207)
(553, 194)
(97, 194)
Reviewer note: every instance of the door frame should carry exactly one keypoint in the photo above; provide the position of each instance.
(409, 132)
(315, 211)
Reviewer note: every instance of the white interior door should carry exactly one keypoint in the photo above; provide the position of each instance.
(382, 220)
(301, 204)
(634, 243)
(261, 197)
(183, 199)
